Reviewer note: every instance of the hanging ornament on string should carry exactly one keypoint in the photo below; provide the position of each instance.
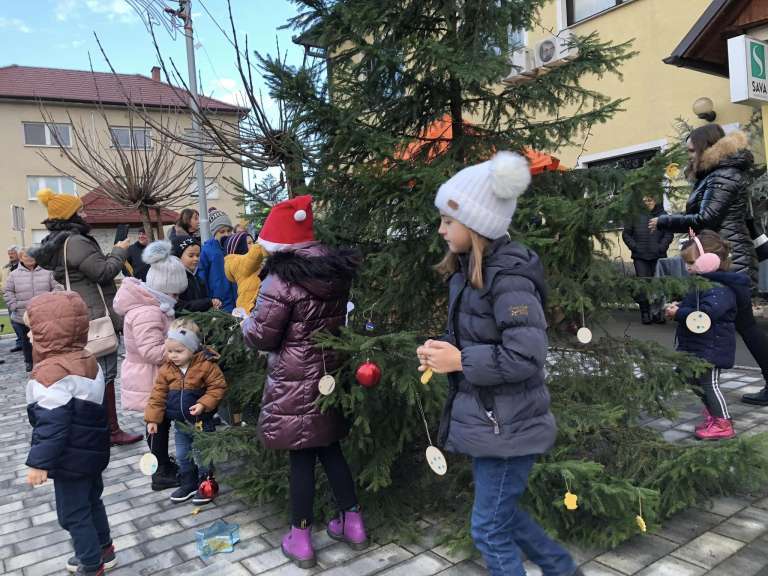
(350, 309)
(148, 461)
(639, 520)
(698, 322)
(570, 500)
(327, 383)
(583, 334)
(426, 376)
(672, 171)
(435, 458)
(368, 374)
(209, 488)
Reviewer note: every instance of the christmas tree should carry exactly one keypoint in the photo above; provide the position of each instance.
(411, 95)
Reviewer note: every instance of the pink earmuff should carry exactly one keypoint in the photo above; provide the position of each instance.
(706, 262)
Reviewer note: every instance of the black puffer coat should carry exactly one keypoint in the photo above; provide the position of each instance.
(719, 199)
(498, 406)
(644, 243)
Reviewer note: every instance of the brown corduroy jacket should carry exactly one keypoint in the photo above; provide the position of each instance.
(175, 392)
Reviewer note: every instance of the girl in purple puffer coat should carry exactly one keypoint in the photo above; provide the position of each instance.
(305, 290)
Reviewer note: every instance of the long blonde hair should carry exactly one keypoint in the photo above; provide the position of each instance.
(450, 263)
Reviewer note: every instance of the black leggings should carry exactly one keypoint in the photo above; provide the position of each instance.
(26, 345)
(644, 269)
(302, 482)
(707, 387)
(158, 443)
(754, 337)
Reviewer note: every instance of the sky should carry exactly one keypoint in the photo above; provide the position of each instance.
(60, 34)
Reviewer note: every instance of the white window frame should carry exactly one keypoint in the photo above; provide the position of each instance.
(131, 131)
(50, 141)
(32, 194)
(562, 14)
(211, 188)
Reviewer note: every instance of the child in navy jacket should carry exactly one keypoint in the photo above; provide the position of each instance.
(70, 436)
(717, 345)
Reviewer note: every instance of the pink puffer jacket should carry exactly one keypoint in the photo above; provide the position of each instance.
(147, 316)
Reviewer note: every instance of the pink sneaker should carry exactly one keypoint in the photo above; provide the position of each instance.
(720, 429)
(297, 545)
(349, 528)
(708, 418)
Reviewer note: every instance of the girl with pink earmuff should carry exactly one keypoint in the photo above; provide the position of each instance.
(706, 325)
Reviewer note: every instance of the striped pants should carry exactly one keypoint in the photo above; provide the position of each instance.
(707, 387)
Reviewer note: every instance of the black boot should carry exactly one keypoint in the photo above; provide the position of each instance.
(658, 318)
(758, 398)
(167, 476)
(645, 317)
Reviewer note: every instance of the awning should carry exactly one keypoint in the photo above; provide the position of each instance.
(100, 210)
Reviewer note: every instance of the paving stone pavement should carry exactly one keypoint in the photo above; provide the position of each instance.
(728, 537)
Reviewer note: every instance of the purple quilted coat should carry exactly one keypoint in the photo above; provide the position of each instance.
(304, 291)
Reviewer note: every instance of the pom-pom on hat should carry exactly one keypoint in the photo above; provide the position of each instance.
(166, 272)
(483, 197)
(289, 223)
(60, 206)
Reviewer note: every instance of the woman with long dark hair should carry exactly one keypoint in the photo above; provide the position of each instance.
(718, 167)
(188, 224)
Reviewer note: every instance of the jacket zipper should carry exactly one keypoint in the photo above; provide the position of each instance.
(181, 396)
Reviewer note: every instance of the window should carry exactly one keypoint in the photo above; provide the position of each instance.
(211, 188)
(59, 184)
(515, 38)
(578, 10)
(137, 138)
(42, 134)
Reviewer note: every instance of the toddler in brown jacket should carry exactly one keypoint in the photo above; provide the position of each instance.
(189, 386)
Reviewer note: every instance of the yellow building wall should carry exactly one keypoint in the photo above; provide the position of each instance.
(658, 93)
(18, 161)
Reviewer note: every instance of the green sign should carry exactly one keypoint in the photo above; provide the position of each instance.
(757, 59)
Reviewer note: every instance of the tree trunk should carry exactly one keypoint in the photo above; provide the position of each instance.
(294, 169)
(160, 233)
(146, 222)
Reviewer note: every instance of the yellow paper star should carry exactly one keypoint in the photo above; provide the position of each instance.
(426, 376)
(640, 523)
(672, 171)
(571, 501)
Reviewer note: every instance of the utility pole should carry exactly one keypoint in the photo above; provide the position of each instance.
(185, 13)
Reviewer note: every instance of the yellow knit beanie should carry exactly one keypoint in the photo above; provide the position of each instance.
(60, 206)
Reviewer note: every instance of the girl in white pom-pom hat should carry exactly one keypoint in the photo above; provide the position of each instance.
(493, 353)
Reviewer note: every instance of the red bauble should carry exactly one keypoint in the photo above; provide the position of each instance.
(209, 488)
(368, 374)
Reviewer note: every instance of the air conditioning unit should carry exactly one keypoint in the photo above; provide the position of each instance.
(523, 68)
(554, 51)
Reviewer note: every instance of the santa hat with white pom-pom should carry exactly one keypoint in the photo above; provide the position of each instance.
(289, 223)
(483, 197)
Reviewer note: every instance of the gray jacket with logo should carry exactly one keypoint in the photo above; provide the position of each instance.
(499, 405)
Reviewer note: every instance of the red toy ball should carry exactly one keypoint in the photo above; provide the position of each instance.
(368, 374)
(209, 488)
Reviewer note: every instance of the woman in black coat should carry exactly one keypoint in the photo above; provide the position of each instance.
(647, 246)
(719, 165)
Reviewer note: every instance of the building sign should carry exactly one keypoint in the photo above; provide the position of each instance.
(747, 68)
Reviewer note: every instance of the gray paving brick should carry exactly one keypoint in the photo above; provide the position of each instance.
(748, 561)
(372, 562)
(186, 569)
(260, 563)
(597, 569)
(688, 525)
(49, 566)
(209, 514)
(746, 526)
(671, 566)
(28, 544)
(726, 505)
(637, 553)
(148, 566)
(35, 556)
(424, 564)
(465, 568)
(708, 550)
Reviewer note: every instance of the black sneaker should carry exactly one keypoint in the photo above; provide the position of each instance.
(108, 559)
(28, 366)
(183, 493)
(199, 499)
(757, 399)
(16, 349)
(167, 476)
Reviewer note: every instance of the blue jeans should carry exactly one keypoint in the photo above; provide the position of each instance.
(81, 513)
(18, 328)
(186, 457)
(501, 529)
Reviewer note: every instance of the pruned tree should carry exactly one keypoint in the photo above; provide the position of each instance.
(146, 173)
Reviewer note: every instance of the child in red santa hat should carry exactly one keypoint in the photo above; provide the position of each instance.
(305, 290)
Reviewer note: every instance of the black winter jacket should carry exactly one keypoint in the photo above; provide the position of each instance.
(499, 405)
(644, 244)
(195, 298)
(719, 199)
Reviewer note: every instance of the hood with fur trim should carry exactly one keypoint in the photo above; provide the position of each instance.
(322, 271)
(730, 151)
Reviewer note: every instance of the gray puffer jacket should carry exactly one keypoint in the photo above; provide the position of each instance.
(87, 265)
(24, 284)
(498, 407)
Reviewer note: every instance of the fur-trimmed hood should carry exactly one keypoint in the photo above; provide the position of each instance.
(730, 151)
(321, 270)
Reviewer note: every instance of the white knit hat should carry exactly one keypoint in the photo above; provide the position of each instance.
(166, 272)
(483, 197)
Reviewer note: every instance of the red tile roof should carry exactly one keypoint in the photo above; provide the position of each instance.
(55, 84)
(100, 210)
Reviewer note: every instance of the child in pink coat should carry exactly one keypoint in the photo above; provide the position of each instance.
(148, 309)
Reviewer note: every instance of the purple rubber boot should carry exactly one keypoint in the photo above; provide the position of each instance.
(349, 528)
(297, 545)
